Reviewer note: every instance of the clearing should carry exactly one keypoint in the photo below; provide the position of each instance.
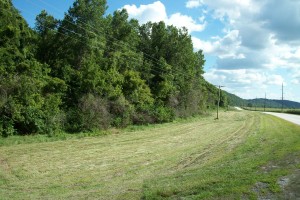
(241, 155)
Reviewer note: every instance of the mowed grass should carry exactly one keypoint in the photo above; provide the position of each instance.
(200, 158)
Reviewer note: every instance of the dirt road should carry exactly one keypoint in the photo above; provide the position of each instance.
(289, 117)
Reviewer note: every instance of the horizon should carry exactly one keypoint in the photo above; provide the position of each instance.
(247, 66)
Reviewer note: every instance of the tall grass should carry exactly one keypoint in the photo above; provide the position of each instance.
(40, 138)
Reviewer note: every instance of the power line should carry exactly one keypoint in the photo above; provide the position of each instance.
(146, 57)
(111, 39)
(110, 48)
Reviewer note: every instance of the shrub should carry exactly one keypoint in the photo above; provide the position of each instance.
(54, 118)
(163, 114)
(143, 117)
(94, 113)
(122, 112)
(6, 128)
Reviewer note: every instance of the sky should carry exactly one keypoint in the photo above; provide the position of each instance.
(251, 47)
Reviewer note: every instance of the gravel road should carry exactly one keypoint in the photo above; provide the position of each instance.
(289, 117)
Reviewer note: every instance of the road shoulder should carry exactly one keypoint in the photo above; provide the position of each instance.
(288, 117)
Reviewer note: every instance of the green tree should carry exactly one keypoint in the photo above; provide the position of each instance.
(79, 47)
(175, 75)
(90, 71)
(28, 105)
(123, 58)
(46, 27)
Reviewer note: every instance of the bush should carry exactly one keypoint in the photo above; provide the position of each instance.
(73, 120)
(143, 117)
(54, 118)
(6, 128)
(163, 114)
(122, 112)
(94, 113)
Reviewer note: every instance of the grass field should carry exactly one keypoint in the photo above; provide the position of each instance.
(241, 155)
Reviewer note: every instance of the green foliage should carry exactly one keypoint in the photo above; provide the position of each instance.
(163, 114)
(53, 116)
(46, 27)
(94, 113)
(30, 99)
(122, 112)
(136, 90)
(90, 71)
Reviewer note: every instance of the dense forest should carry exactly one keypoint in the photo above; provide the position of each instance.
(92, 71)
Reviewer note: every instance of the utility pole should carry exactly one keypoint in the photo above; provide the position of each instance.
(219, 100)
(265, 102)
(282, 98)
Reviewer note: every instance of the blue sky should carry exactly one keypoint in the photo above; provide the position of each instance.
(251, 46)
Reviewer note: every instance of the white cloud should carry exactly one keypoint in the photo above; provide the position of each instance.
(255, 36)
(260, 48)
(225, 47)
(246, 83)
(207, 46)
(296, 81)
(180, 21)
(238, 77)
(228, 45)
(202, 18)
(283, 56)
(296, 78)
(275, 79)
(193, 3)
(156, 12)
(239, 82)
(224, 8)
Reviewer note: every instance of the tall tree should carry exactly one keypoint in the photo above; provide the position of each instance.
(46, 27)
(31, 103)
(124, 58)
(82, 32)
(93, 71)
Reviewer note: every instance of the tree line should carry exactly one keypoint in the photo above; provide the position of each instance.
(92, 71)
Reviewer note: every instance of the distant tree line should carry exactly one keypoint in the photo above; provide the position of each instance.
(90, 71)
(234, 100)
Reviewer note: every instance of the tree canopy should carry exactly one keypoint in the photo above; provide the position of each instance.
(91, 71)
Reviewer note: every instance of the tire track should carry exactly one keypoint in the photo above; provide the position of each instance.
(210, 150)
